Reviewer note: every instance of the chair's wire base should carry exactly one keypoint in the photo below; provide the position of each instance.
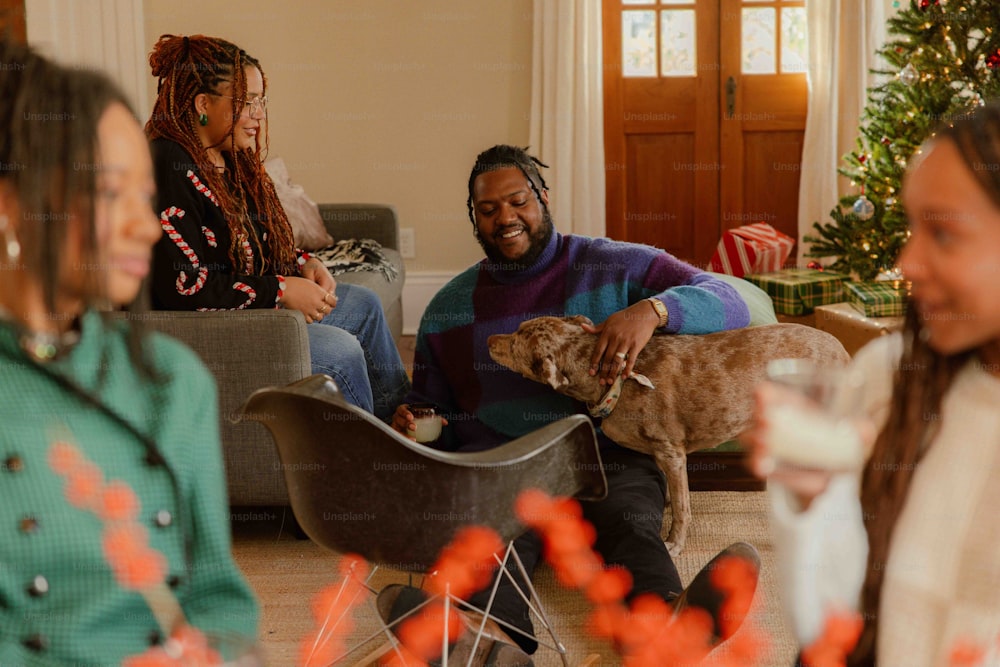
(528, 594)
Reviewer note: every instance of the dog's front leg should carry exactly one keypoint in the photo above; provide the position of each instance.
(674, 466)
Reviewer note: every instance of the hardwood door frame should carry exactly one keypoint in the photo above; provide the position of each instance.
(708, 181)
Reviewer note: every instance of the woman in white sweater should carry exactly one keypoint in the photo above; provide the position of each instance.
(919, 554)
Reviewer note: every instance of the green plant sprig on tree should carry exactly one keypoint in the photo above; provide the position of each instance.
(943, 61)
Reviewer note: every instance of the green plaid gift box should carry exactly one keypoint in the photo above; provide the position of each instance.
(798, 291)
(882, 298)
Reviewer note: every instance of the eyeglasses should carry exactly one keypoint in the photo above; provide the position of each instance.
(251, 105)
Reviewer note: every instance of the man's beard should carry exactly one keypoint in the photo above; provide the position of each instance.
(539, 240)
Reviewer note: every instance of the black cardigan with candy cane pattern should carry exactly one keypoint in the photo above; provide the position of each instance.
(191, 265)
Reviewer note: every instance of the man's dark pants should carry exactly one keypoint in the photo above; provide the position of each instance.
(628, 526)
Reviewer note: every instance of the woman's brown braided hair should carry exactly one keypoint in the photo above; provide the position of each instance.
(184, 68)
(921, 381)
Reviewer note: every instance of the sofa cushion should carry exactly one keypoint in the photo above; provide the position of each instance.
(303, 213)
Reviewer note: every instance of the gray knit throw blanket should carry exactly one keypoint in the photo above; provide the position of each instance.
(356, 255)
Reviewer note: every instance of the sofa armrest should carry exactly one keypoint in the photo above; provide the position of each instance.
(369, 221)
(253, 347)
(244, 349)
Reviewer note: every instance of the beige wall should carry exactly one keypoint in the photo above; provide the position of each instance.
(382, 100)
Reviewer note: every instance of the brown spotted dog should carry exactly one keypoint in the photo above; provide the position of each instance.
(687, 392)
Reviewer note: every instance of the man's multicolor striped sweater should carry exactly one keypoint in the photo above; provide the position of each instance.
(488, 405)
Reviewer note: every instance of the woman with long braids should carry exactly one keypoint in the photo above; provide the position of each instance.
(227, 243)
(108, 437)
(919, 554)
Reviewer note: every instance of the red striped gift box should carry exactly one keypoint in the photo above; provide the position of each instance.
(756, 248)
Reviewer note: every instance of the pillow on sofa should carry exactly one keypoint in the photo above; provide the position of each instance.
(302, 212)
(758, 301)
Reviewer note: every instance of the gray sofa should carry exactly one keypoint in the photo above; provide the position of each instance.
(247, 350)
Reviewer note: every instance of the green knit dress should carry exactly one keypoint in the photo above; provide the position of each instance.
(59, 601)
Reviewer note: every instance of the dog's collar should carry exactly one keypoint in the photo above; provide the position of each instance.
(606, 405)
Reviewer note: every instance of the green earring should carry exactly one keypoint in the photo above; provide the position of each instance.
(203, 119)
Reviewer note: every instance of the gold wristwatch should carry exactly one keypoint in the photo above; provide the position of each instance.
(661, 310)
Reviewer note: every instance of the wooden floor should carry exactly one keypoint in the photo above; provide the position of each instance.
(287, 573)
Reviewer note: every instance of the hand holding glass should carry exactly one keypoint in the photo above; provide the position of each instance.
(427, 420)
(815, 430)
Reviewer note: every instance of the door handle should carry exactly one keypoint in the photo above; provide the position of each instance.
(730, 97)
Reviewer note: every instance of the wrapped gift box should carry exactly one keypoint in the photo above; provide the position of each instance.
(881, 298)
(799, 291)
(756, 248)
(851, 328)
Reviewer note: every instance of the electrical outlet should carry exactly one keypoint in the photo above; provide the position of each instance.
(407, 243)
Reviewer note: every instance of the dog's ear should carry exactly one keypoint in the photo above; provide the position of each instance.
(551, 375)
(580, 319)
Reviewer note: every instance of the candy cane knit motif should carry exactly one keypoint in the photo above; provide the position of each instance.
(242, 287)
(189, 254)
(201, 187)
(247, 254)
(209, 236)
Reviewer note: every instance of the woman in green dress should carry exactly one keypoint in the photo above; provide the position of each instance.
(137, 412)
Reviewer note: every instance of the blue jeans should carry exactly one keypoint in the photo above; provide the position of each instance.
(352, 344)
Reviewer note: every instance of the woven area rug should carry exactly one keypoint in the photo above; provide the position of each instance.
(286, 573)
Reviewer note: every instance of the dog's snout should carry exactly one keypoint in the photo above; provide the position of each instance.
(500, 347)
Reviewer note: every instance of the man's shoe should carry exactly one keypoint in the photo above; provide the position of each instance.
(703, 592)
(495, 648)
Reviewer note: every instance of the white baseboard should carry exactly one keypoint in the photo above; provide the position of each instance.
(418, 290)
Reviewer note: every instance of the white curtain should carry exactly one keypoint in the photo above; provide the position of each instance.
(103, 34)
(567, 119)
(843, 38)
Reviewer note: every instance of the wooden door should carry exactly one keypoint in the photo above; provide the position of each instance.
(700, 136)
(12, 25)
(661, 105)
(763, 118)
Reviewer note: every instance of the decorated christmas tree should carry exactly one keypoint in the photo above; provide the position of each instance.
(944, 61)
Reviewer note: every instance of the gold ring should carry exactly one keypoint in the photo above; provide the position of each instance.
(621, 355)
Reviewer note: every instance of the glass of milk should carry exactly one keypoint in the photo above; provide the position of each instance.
(815, 428)
(427, 420)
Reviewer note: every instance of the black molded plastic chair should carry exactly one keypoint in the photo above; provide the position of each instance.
(358, 486)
